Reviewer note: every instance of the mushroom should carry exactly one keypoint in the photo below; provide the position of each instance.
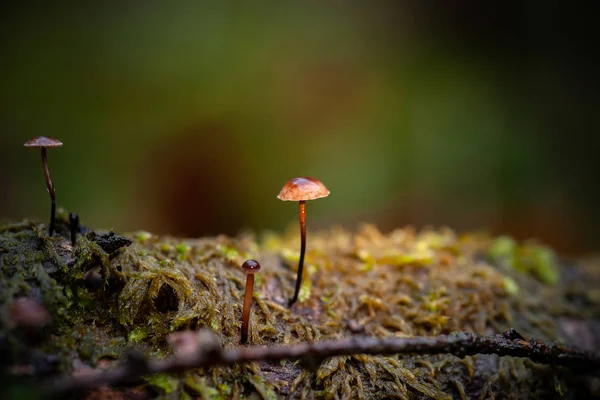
(250, 267)
(302, 189)
(46, 143)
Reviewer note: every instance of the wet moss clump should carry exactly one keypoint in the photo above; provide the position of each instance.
(403, 283)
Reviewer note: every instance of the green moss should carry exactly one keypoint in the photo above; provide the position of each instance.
(531, 258)
(540, 260)
(511, 286)
(163, 382)
(305, 289)
(262, 387)
(183, 250)
(230, 252)
(502, 247)
(142, 236)
(396, 284)
(137, 335)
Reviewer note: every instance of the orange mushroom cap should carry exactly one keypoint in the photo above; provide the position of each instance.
(303, 188)
(43, 141)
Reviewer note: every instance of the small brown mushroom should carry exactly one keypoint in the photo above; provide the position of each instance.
(46, 143)
(250, 267)
(302, 189)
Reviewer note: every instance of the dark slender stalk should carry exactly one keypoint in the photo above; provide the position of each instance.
(52, 217)
(74, 224)
(50, 191)
(459, 344)
(302, 213)
(247, 305)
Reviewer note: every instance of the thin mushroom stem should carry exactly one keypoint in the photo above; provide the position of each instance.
(247, 306)
(50, 191)
(302, 212)
(74, 223)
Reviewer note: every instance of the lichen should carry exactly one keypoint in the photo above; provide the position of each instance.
(399, 284)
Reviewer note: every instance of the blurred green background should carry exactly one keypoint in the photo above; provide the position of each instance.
(189, 118)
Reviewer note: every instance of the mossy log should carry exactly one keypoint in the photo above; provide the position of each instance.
(404, 283)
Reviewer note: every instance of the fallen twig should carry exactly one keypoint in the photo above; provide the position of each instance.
(210, 353)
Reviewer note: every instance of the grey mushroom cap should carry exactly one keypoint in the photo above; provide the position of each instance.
(43, 141)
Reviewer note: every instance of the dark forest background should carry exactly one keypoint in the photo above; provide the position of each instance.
(189, 118)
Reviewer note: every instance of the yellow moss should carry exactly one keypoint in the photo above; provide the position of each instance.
(143, 236)
(305, 290)
(511, 286)
(230, 252)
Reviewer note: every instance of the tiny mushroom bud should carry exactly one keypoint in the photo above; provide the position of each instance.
(300, 190)
(46, 143)
(250, 267)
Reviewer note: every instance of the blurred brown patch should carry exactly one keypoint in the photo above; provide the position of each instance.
(196, 181)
